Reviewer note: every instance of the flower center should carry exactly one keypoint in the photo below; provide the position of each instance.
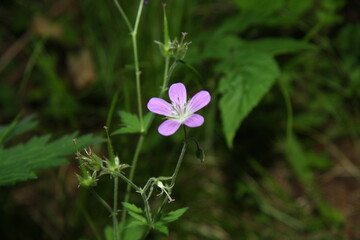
(180, 113)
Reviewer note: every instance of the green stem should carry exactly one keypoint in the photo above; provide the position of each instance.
(145, 200)
(128, 181)
(102, 201)
(89, 221)
(131, 176)
(138, 88)
(114, 215)
(112, 109)
(147, 209)
(289, 123)
(30, 65)
(181, 157)
(126, 19)
(166, 73)
(175, 174)
(136, 61)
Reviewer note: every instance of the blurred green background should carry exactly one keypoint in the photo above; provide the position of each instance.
(281, 135)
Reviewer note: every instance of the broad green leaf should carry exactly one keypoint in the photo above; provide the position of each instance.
(20, 162)
(276, 46)
(173, 215)
(247, 79)
(161, 228)
(131, 207)
(221, 46)
(130, 123)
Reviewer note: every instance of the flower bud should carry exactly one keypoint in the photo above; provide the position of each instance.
(87, 181)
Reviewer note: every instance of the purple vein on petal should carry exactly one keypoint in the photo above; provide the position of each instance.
(169, 127)
(177, 94)
(199, 100)
(194, 120)
(159, 106)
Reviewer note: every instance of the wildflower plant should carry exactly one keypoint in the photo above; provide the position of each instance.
(179, 112)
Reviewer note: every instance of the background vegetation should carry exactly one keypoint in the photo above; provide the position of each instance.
(281, 134)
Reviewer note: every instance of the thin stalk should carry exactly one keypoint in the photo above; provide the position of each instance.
(175, 174)
(128, 181)
(131, 176)
(138, 88)
(89, 220)
(112, 109)
(115, 207)
(166, 73)
(289, 110)
(147, 209)
(181, 157)
(102, 201)
(123, 14)
(136, 61)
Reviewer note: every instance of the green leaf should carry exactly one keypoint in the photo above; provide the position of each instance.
(20, 162)
(166, 33)
(276, 46)
(132, 208)
(247, 79)
(109, 233)
(135, 223)
(134, 232)
(297, 158)
(139, 217)
(130, 123)
(19, 127)
(173, 215)
(161, 228)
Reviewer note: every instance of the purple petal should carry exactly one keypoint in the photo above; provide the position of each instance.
(159, 106)
(177, 94)
(169, 127)
(194, 120)
(199, 100)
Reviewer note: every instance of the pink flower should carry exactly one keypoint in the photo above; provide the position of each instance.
(180, 111)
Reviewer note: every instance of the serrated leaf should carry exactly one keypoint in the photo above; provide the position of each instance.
(132, 208)
(173, 215)
(161, 228)
(20, 162)
(130, 123)
(247, 79)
